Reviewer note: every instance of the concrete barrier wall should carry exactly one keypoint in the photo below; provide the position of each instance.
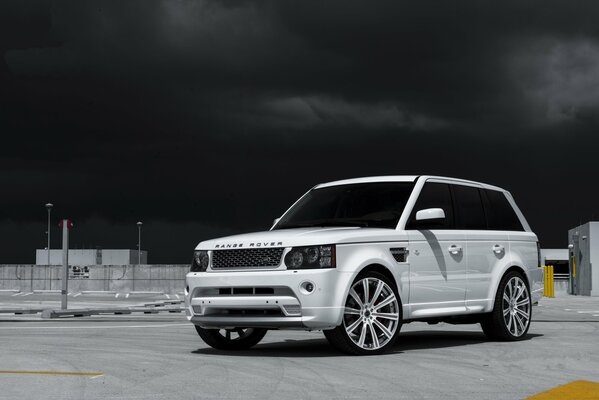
(167, 278)
(118, 278)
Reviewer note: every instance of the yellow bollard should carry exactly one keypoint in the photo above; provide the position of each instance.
(552, 283)
(552, 286)
(545, 281)
(548, 286)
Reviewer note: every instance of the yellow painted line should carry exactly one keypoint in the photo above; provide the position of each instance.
(52, 373)
(579, 390)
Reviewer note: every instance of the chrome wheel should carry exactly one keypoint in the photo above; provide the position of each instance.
(516, 306)
(371, 314)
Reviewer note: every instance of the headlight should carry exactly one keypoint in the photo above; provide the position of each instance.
(311, 257)
(200, 261)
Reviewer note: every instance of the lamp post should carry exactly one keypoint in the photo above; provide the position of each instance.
(49, 208)
(139, 224)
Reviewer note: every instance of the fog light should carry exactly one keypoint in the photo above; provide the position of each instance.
(307, 287)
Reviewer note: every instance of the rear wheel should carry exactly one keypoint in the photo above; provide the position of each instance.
(372, 316)
(512, 310)
(231, 339)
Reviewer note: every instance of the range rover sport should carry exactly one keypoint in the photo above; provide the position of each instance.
(358, 258)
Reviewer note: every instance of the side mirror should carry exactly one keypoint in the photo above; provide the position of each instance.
(274, 222)
(429, 214)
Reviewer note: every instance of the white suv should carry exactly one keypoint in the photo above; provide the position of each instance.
(358, 258)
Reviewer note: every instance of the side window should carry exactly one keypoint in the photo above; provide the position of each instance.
(469, 208)
(500, 214)
(433, 195)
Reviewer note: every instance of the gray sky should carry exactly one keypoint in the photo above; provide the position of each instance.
(206, 118)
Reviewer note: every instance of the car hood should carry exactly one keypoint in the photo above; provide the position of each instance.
(303, 237)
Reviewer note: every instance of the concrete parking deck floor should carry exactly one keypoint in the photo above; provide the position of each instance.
(161, 356)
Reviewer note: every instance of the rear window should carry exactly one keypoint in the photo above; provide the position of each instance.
(500, 213)
(469, 208)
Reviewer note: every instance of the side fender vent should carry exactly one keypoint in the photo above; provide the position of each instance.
(399, 253)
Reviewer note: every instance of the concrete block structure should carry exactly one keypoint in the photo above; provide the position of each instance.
(86, 257)
(167, 278)
(583, 247)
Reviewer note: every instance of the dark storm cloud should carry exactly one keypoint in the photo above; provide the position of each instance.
(220, 114)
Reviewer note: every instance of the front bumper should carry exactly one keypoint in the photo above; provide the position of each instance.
(266, 299)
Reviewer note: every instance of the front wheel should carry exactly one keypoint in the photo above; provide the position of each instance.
(231, 339)
(372, 316)
(512, 311)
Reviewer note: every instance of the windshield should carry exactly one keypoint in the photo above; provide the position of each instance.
(377, 204)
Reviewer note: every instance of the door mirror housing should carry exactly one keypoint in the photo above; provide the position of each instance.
(430, 214)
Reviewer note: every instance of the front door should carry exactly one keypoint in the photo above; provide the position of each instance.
(437, 257)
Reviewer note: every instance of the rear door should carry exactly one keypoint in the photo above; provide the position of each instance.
(483, 220)
(437, 257)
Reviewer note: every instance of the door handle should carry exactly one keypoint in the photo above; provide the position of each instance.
(498, 248)
(454, 249)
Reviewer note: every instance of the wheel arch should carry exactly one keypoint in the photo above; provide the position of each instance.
(384, 270)
(495, 286)
(380, 269)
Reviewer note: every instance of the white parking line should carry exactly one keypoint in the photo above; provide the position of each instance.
(167, 296)
(586, 312)
(77, 295)
(27, 294)
(16, 294)
(116, 296)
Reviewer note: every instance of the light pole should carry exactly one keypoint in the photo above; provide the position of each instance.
(49, 208)
(139, 224)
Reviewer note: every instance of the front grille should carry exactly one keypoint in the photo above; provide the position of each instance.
(247, 258)
(272, 312)
(253, 291)
(243, 291)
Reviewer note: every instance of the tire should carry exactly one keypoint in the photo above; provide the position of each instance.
(368, 327)
(231, 339)
(512, 310)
